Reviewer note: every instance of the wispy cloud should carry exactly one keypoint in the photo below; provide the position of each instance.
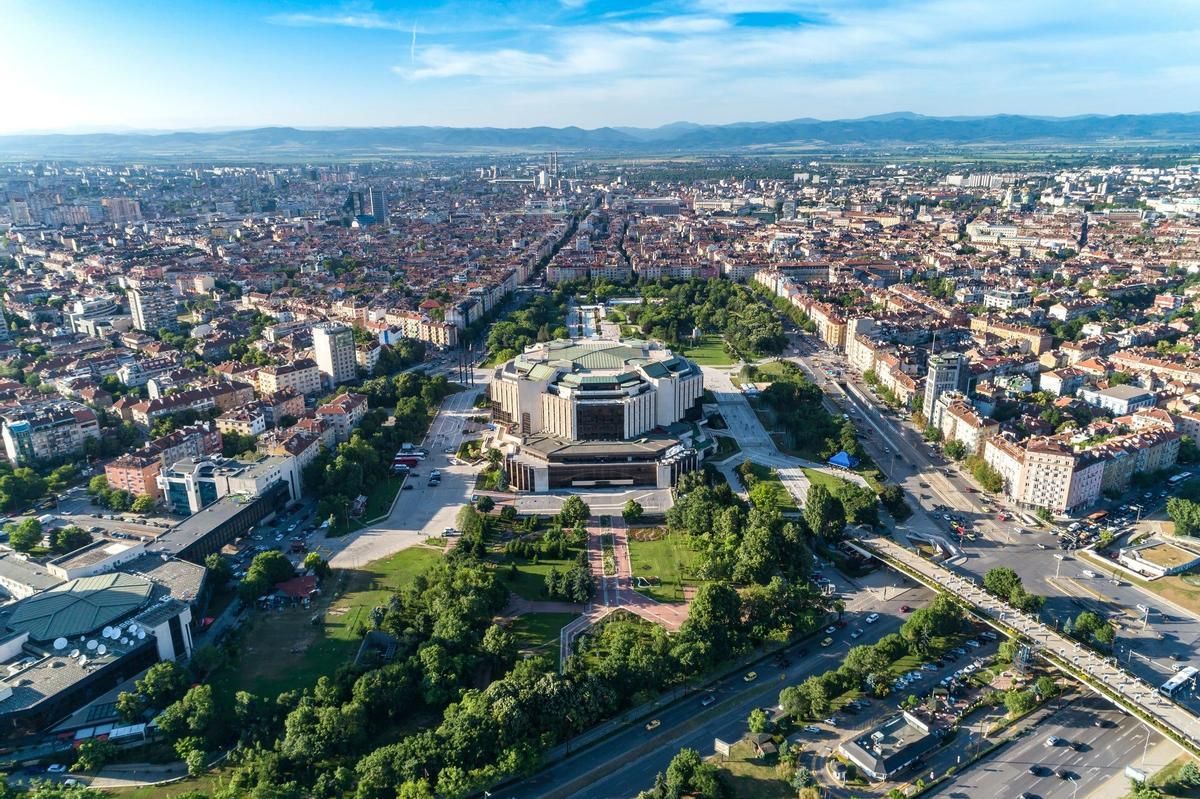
(365, 21)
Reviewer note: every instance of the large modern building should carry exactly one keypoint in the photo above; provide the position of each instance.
(333, 350)
(947, 372)
(191, 485)
(597, 412)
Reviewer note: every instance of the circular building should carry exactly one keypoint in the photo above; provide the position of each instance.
(597, 412)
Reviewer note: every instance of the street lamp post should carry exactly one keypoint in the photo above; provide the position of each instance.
(1058, 567)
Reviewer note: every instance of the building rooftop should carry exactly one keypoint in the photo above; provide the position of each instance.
(80, 607)
(95, 552)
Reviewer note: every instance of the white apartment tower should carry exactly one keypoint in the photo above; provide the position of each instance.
(152, 306)
(333, 350)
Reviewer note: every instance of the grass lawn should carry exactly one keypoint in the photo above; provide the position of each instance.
(751, 777)
(379, 501)
(766, 373)
(538, 632)
(284, 649)
(817, 477)
(1167, 779)
(787, 503)
(530, 580)
(662, 555)
(710, 352)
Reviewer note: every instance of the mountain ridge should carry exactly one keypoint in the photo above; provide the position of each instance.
(896, 128)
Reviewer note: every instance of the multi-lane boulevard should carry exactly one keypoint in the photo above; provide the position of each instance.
(626, 762)
(1106, 742)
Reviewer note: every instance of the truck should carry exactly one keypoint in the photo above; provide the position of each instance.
(408, 461)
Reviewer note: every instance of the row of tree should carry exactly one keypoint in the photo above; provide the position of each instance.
(672, 310)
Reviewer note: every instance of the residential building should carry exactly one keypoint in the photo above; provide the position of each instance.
(343, 413)
(1119, 400)
(153, 307)
(191, 485)
(45, 431)
(333, 349)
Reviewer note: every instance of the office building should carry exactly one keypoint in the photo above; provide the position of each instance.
(152, 306)
(333, 350)
(947, 372)
(191, 485)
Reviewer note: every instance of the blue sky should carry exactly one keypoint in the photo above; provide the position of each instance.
(89, 65)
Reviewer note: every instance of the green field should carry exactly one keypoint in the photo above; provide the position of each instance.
(751, 777)
(817, 477)
(709, 352)
(530, 580)
(538, 632)
(205, 784)
(664, 557)
(283, 650)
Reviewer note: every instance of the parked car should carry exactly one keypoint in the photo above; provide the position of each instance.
(826, 641)
(872, 618)
(750, 676)
(708, 700)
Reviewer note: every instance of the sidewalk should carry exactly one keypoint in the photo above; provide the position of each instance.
(1117, 786)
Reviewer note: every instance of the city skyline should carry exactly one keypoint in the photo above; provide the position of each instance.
(591, 64)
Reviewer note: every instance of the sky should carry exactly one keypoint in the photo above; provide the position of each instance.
(87, 65)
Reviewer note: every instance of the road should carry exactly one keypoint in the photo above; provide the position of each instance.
(1106, 751)
(626, 762)
(1135, 693)
(920, 470)
(423, 510)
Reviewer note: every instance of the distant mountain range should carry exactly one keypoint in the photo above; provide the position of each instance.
(887, 130)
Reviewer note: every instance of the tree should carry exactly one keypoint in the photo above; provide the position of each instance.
(824, 514)
(142, 503)
(24, 535)
(485, 504)
(1189, 775)
(218, 567)
(632, 511)
(1185, 514)
(1018, 702)
(1001, 581)
(69, 539)
(955, 449)
(93, 755)
(758, 721)
(573, 510)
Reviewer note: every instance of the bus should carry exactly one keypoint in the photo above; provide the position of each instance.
(1180, 680)
(1179, 478)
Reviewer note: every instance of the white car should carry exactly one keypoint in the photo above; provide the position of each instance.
(871, 619)
(56, 768)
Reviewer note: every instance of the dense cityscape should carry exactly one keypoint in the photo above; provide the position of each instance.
(591, 399)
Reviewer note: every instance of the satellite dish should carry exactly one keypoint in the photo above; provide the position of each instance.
(60, 643)
(133, 628)
(125, 641)
(141, 634)
(108, 632)
(100, 650)
(74, 653)
(91, 645)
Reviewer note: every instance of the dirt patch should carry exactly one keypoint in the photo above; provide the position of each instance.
(642, 534)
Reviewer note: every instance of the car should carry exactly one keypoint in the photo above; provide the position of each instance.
(56, 768)
(408, 486)
(1053, 740)
(857, 632)
(750, 676)
(905, 609)
(1027, 795)
(653, 724)
(1078, 746)
(989, 634)
(1064, 774)
(1103, 724)
(826, 641)
(708, 700)
(830, 630)
(831, 721)
(871, 618)
(973, 644)
(928, 667)
(811, 729)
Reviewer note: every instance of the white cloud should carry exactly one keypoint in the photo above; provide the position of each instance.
(367, 21)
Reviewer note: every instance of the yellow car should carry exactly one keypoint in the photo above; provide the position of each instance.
(827, 641)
